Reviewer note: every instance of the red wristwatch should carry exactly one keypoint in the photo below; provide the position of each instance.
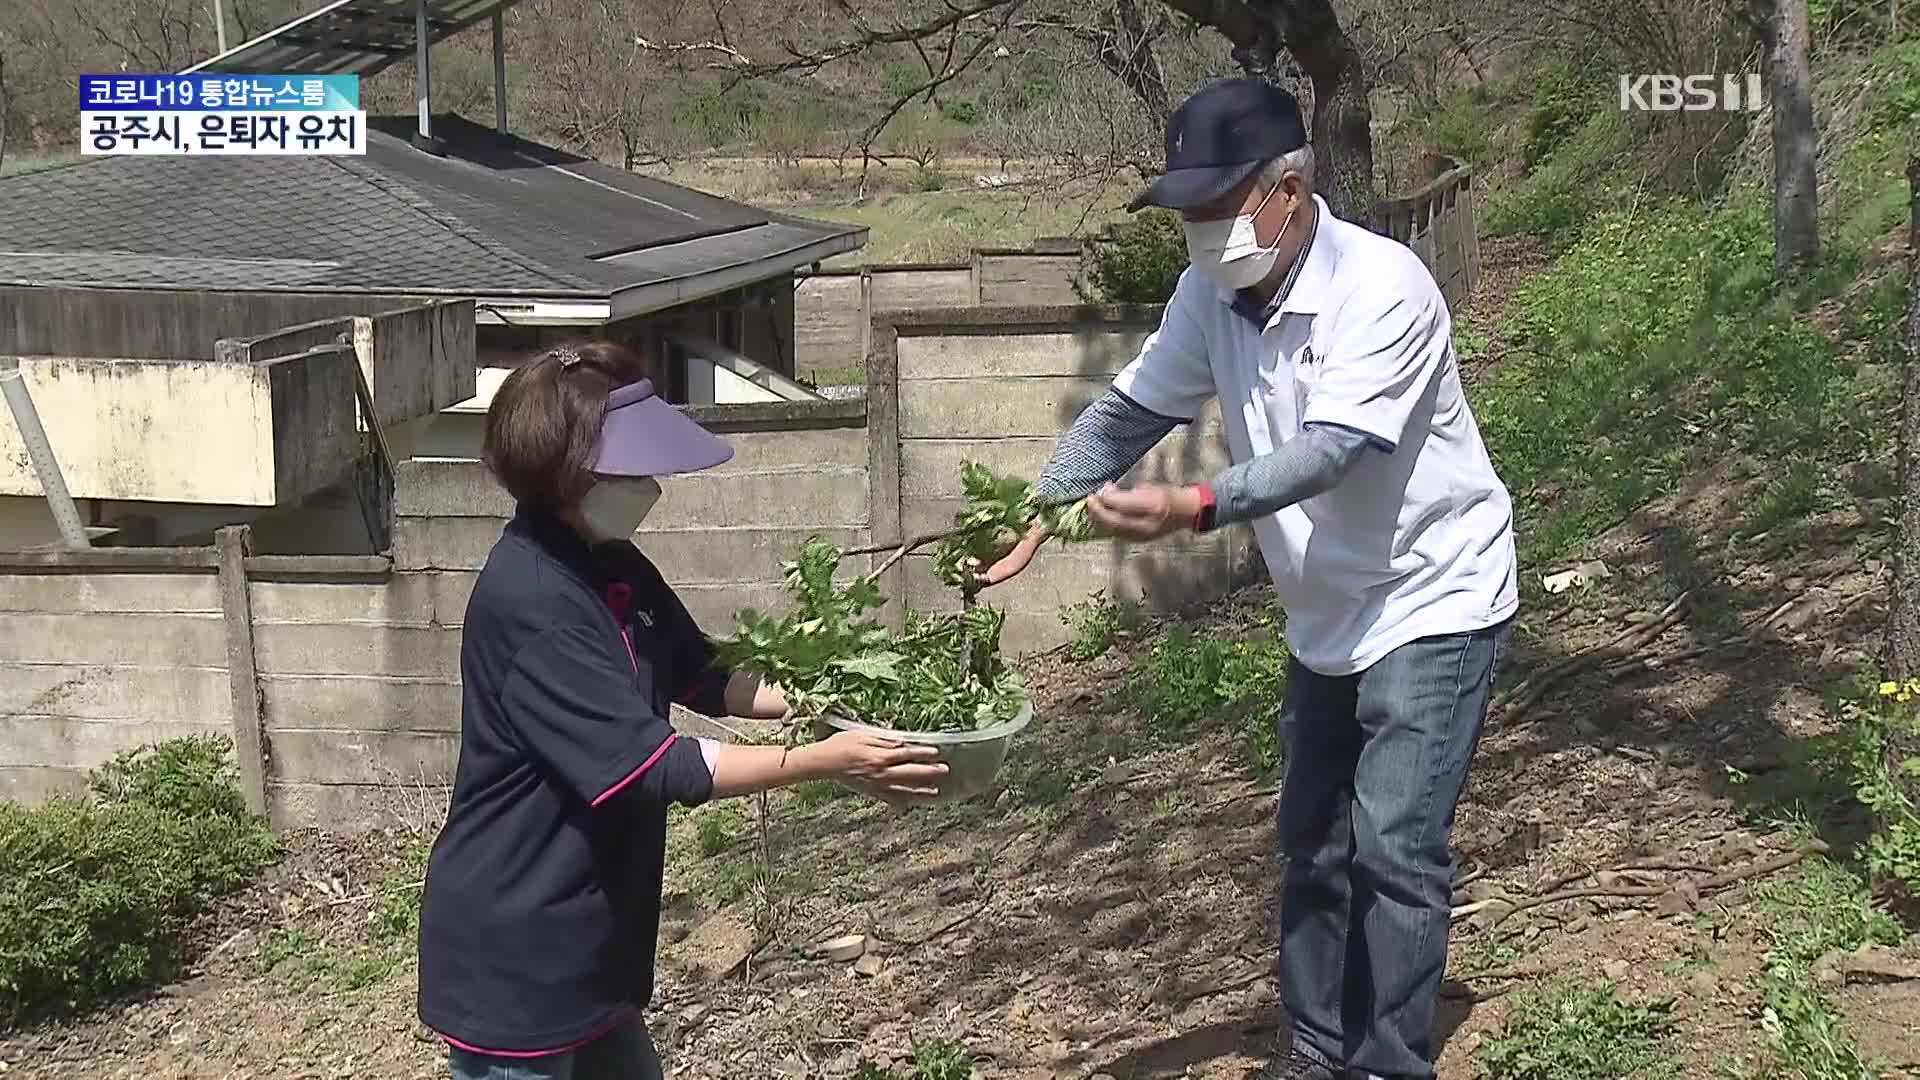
(1203, 519)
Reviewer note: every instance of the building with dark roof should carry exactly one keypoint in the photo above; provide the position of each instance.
(547, 243)
(225, 323)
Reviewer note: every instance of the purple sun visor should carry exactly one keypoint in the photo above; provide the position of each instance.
(645, 436)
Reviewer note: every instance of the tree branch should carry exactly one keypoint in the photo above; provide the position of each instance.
(863, 40)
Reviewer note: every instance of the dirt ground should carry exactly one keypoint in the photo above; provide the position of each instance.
(1111, 911)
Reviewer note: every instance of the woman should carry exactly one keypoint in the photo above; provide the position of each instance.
(542, 902)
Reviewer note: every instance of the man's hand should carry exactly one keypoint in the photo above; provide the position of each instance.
(1014, 561)
(1144, 513)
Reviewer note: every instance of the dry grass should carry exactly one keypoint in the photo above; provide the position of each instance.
(914, 215)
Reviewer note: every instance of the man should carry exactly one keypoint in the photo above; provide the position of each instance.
(1386, 530)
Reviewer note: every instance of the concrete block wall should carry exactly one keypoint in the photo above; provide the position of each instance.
(834, 309)
(720, 536)
(349, 666)
(194, 431)
(95, 663)
(1044, 275)
(359, 694)
(998, 386)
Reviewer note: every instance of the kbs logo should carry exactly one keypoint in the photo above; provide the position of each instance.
(1691, 93)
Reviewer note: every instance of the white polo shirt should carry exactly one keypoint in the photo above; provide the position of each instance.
(1412, 542)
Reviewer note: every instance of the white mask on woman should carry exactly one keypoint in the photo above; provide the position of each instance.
(1229, 251)
(616, 505)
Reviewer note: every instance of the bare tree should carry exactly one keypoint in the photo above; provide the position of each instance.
(1342, 109)
(145, 35)
(590, 82)
(1782, 28)
(1122, 35)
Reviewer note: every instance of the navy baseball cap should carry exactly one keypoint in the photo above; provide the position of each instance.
(1220, 136)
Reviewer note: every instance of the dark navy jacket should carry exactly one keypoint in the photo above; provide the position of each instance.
(542, 902)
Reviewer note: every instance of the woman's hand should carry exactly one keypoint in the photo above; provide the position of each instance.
(880, 767)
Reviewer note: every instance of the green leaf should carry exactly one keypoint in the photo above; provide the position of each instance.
(880, 667)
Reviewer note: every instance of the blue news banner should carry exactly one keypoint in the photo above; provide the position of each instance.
(304, 115)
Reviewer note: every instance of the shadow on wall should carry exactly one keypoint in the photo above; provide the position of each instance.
(1166, 585)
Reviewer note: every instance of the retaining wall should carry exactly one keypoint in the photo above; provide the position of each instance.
(338, 676)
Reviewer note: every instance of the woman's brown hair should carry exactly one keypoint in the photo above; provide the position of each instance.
(544, 423)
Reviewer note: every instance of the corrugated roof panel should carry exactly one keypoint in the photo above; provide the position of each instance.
(349, 37)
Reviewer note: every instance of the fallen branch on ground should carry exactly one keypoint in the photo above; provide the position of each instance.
(1532, 971)
(1641, 892)
(914, 943)
(1513, 706)
(1256, 793)
(1223, 988)
(1617, 657)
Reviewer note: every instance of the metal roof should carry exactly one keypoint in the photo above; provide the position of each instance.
(349, 37)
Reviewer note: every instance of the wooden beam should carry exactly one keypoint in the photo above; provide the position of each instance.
(161, 559)
(884, 500)
(311, 567)
(248, 727)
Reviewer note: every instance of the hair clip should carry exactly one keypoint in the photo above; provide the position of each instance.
(567, 355)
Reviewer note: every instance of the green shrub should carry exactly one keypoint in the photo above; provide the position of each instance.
(1463, 127)
(192, 777)
(719, 118)
(1189, 678)
(929, 178)
(931, 1061)
(718, 828)
(1563, 100)
(942, 1059)
(1096, 623)
(396, 910)
(95, 897)
(1884, 724)
(1139, 261)
(1827, 909)
(902, 78)
(1579, 1031)
(1658, 322)
(961, 112)
(1592, 167)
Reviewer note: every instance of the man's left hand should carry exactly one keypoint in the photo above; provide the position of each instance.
(1143, 513)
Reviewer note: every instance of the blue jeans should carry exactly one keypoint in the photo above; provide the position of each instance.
(625, 1053)
(1375, 765)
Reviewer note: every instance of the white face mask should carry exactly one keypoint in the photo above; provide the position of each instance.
(616, 505)
(1229, 251)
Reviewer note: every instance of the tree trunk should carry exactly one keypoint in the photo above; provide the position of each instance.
(1126, 49)
(1903, 621)
(1342, 115)
(1796, 214)
(1342, 118)
(1465, 48)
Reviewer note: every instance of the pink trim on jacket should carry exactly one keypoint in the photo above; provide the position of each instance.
(569, 1048)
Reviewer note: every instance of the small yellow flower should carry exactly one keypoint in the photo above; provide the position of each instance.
(1888, 689)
